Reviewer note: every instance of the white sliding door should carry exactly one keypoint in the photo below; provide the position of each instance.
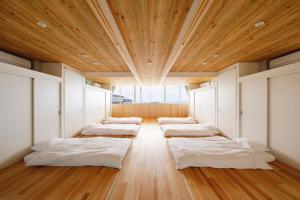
(254, 109)
(227, 102)
(284, 117)
(15, 117)
(73, 102)
(46, 109)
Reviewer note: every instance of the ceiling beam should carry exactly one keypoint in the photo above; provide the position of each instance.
(108, 74)
(192, 74)
(194, 17)
(101, 10)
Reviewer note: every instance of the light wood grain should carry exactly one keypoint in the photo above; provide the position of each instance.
(150, 29)
(228, 29)
(73, 34)
(150, 110)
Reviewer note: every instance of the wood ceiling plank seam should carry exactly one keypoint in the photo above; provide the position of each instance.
(197, 7)
(103, 14)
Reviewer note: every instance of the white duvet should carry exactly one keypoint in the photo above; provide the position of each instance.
(176, 120)
(111, 129)
(98, 151)
(189, 130)
(217, 152)
(123, 120)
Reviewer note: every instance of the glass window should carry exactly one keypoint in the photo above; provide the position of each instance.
(145, 94)
(172, 94)
(184, 94)
(123, 94)
(156, 94)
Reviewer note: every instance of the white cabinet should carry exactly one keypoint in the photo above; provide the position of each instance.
(46, 109)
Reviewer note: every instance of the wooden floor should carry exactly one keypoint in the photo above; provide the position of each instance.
(148, 173)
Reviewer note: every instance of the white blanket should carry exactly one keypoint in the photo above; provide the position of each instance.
(123, 120)
(80, 152)
(176, 120)
(217, 152)
(111, 129)
(189, 130)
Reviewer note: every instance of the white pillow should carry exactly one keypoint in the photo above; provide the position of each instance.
(41, 146)
(245, 142)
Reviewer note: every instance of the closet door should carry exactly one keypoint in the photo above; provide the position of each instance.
(46, 109)
(73, 102)
(254, 108)
(15, 117)
(227, 102)
(107, 104)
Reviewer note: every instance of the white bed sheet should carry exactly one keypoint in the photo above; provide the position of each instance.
(100, 151)
(123, 120)
(111, 129)
(217, 152)
(176, 120)
(189, 130)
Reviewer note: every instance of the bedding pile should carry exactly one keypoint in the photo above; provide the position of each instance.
(111, 129)
(176, 120)
(123, 120)
(189, 130)
(218, 152)
(98, 151)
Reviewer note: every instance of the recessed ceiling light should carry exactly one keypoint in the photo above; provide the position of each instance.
(84, 55)
(215, 55)
(259, 24)
(96, 63)
(149, 62)
(204, 63)
(41, 24)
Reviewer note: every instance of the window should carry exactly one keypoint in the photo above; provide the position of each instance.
(150, 94)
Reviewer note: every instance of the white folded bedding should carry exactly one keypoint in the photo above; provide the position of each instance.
(217, 152)
(123, 120)
(111, 129)
(189, 130)
(100, 151)
(176, 120)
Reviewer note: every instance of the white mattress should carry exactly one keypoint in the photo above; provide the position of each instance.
(217, 152)
(123, 120)
(98, 151)
(189, 130)
(111, 129)
(176, 120)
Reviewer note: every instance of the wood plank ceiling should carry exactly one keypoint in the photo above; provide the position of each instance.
(227, 31)
(149, 28)
(73, 34)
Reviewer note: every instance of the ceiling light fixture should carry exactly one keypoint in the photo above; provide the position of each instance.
(204, 63)
(215, 55)
(149, 62)
(96, 63)
(259, 24)
(41, 24)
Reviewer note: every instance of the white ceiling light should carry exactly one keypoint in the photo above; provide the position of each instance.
(96, 63)
(84, 55)
(41, 24)
(259, 24)
(204, 63)
(149, 62)
(215, 55)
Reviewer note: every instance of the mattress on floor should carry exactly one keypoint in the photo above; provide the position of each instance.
(189, 130)
(217, 152)
(123, 120)
(176, 120)
(100, 151)
(111, 129)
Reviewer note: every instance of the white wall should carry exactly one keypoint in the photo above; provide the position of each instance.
(15, 117)
(284, 117)
(192, 104)
(94, 109)
(108, 105)
(205, 105)
(73, 102)
(227, 102)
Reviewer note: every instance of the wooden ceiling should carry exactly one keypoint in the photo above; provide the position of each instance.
(73, 34)
(150, 30)
(227, 30)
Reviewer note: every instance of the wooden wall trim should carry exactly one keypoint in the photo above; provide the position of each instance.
(102, 12)
(150, 110)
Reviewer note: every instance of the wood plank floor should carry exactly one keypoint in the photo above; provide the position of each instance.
(148, 173)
